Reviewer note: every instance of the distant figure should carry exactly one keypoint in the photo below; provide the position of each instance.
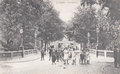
(53, 58)
(97, 53)
(57, 55)
(74, 58)
(116, 57)
(82, 57)
(42, 54)
(61, 55)
(66, 57)
(50, 53)
(119, 57)
(87, 57)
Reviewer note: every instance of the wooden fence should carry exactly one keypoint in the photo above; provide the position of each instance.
(7, 55)
(105, 53)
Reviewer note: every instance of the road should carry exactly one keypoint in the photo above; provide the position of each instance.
(45, 67)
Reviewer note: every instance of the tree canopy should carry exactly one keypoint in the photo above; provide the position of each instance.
(88, 19)
(83, 22)
(29, 15)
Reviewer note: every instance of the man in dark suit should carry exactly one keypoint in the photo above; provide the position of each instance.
(116, 57)
(119, 57)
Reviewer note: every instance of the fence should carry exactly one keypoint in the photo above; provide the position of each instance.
(7, 55)
(104, 53)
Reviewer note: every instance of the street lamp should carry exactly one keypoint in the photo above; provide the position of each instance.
(97, 31)
(35, 47)
(21, 46)
(88, 39)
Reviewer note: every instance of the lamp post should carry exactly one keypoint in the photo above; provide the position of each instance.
(97, 31)
(88, 40)
(22, 46)
(35, 47)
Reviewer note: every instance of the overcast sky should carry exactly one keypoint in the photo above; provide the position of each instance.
(66, 8)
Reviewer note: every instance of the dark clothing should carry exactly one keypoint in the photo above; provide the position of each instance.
(97, 53)
(42, 54)
(50, 53)
(82, 57)
(119, 58)
(61, 56)
(57, 55)
(53, 57)
(116, 58)
(115, 54)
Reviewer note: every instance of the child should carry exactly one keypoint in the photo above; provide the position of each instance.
(53, 58)
(87, 57)
(42, 55)
(74, 59)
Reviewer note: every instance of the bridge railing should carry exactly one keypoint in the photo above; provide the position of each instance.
(7, 55)
(105, 53)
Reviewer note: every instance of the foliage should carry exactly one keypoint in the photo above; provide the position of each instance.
(51, 26)
(28, 15)
(113, 5)
(83, 22)
(110, 34)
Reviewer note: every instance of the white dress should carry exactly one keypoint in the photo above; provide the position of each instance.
(66, 55)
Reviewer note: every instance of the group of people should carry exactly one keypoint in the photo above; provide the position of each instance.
(116, 57)
(55, 55)
(70, 56)
(67, 55)
(85, 57)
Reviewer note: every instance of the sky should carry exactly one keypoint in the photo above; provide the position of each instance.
(66, 8)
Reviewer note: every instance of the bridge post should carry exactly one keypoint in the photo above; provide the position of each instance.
(105, 54)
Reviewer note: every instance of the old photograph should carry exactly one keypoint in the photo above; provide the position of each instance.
(59, 36)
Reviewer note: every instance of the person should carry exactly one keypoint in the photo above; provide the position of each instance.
(116, 56)
(50, 53)
(57, 55)
(119, 57)
(66, 57)
(42, 54)
(70, 55)
(53, 57)
(74, 58)
(97, 53)
(88, 57)
(82, 57)
(61, 55)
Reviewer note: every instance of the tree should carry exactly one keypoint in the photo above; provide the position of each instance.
(113, 5)
(112, 16)
(84, 22)
(25, 14)
(87, 2)
(50, 27)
